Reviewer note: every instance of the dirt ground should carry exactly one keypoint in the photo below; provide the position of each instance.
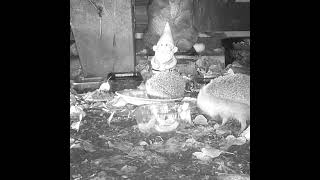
(103, 149)
(106, 144)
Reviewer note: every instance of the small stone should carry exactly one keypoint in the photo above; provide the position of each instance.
(200, 119)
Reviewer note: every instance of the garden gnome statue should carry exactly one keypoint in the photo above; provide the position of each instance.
(164, 59)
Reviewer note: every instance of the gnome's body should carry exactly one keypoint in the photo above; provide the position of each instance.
(164, 59)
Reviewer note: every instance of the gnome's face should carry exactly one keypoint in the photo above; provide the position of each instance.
(164, 51)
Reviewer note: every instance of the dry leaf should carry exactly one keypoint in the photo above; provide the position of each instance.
(221, 131)
(208, 153)
(76, 111)
(231, 140)
(172, 145)
(73, 110)
(76, 125)
(201, 131)
(154, 158)
(137, 151)
(122, 146)
(201, 156)
(75, 145)
(119, 102)
(211, 152)
(235, 141)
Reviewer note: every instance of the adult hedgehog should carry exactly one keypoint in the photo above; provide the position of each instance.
(228, 97)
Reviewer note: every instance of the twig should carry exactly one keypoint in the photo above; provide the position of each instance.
(100, 27)
(227, 152)
(110, 117)
(94, 5)
(100, 18)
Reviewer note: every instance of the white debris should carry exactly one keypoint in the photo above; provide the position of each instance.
(110, 117)
(185, 112)
(104, 86)
(246, 133)
(76, 125)
(143, 143)
(199, 47)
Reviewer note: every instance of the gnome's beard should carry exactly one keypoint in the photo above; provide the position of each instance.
(163, 57)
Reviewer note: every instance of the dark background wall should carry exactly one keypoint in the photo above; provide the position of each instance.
(217, 15)
(209, 15)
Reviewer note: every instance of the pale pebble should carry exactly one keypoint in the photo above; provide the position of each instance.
(200, 119)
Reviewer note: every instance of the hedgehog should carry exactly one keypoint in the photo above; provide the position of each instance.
(228, 97)
(166, 85)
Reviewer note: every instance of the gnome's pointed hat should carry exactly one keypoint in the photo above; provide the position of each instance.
(166, 36)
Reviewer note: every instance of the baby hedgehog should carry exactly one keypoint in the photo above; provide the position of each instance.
(166, 85)
(227, 96)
